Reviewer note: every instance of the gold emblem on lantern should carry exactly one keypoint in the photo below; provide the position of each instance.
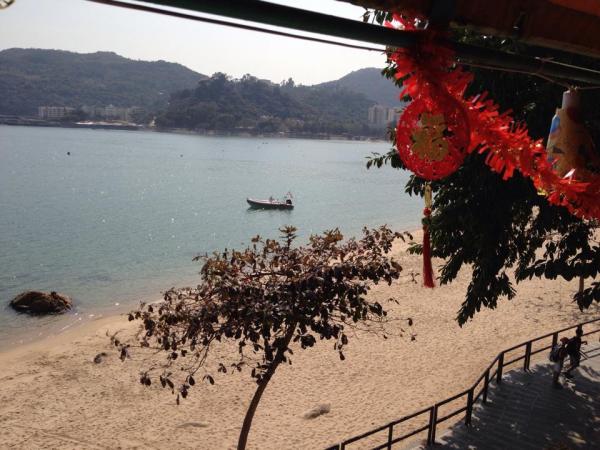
(429, 141)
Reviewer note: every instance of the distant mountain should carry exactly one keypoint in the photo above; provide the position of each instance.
(181, 98)
(33, 77)
(371, 84)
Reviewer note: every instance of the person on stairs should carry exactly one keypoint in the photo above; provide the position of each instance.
(557, 356)
(574, 351)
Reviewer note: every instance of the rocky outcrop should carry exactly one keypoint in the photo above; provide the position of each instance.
(35, 302)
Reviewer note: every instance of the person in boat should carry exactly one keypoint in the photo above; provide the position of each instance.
(271, 199)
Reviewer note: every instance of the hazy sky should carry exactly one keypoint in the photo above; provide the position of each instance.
(82, 26)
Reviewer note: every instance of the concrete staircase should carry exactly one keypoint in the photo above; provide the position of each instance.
(526, 412)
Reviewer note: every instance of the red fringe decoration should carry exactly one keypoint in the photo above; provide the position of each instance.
(435, 84)
(427, 267)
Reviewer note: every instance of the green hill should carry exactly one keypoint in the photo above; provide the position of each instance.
(253, 105)
(371, 84)
(182, 98)
(33, 77)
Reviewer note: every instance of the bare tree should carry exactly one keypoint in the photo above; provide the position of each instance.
(264, 298)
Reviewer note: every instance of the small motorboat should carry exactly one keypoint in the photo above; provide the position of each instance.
(271, 203)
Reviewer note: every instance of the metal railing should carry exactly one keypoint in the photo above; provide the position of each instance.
(479, 390)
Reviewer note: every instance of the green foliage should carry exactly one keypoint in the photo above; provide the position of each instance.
(32, 77)
(256, 295)
(490, 226)
(263, 298)
(258, 106)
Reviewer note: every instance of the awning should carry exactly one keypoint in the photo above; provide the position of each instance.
(267, 13)
(567, 25)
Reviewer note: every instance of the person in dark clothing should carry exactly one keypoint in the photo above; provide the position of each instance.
(574, 351)
(561, 354)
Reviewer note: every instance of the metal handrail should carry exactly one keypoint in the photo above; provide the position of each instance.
(472, 395)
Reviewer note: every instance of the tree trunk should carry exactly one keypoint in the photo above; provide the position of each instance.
(243, 439)
(581, 284)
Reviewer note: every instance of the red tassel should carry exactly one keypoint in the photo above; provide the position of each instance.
(427, 267)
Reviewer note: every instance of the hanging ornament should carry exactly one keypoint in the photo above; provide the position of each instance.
(574, 159)
(570, 147)
(439, 105)
(432, 135)
(427, 266)
(432, 139)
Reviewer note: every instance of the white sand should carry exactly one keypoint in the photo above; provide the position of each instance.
(52, 395)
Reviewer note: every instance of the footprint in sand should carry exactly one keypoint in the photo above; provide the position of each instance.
(193, 425)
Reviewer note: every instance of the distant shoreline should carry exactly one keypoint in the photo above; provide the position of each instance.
(133, 127)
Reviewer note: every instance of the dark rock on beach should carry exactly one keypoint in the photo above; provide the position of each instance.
(37, 303)
(100, 357)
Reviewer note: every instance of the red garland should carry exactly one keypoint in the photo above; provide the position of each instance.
(434, 92)
(436, 86)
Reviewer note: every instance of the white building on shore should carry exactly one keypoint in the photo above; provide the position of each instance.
(382, 116)
(54, 112)
(110, 112)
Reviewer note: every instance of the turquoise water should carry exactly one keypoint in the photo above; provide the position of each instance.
(122, 216)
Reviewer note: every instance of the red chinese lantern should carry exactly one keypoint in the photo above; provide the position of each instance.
(432, 138)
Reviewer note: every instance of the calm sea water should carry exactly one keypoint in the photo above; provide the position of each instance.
(120, 218)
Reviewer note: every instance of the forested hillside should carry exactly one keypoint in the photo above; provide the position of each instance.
(32, 77)
(181, 98)
(225, 104)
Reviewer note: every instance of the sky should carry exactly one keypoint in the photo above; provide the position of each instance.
(85, 27)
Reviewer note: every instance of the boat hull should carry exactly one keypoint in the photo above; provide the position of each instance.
(266, 204)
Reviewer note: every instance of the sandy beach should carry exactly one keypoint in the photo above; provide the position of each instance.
(54, 396)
